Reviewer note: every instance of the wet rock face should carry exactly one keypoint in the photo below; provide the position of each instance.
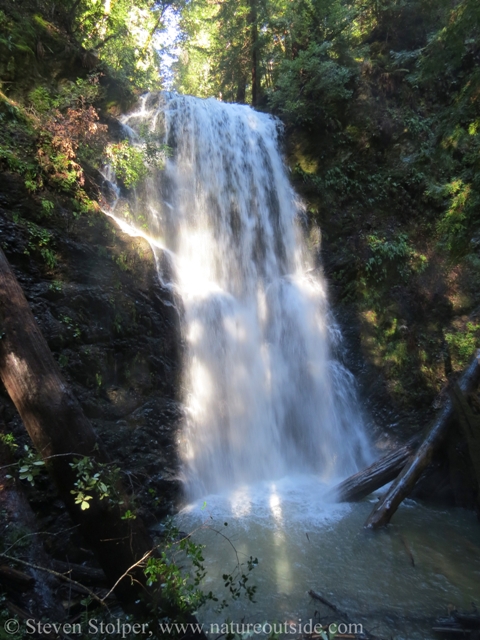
(112, 328)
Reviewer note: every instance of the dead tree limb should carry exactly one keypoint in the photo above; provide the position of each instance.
(318, 596)
(341, 614)
(417, 463)
(58, 575)
(374, 477)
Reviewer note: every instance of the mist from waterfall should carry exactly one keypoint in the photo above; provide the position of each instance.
(264, 390)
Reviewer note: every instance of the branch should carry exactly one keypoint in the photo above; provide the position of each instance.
(62, 576)
(70, 15)
(125, 574)
(103, 42)
(152, 32)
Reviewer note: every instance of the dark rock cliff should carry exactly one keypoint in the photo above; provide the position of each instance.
(113, 329)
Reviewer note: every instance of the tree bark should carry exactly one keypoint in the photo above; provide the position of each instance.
(253, 18)
(374, 477)
(60, 432)
(17, 513)
(241, 90)
(417, 463)
(470, 425)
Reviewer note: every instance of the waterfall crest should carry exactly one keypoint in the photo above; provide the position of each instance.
(265, 395)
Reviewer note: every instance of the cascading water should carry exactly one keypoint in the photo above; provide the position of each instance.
(270, 411)
(264, 395)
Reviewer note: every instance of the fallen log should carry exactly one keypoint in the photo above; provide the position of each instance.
(464, 624)
(374, 477)
(80, 572)
(417, 463)
(16, 579)
(467, 620)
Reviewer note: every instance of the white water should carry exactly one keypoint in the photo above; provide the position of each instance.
(265, 396)
(271, 412)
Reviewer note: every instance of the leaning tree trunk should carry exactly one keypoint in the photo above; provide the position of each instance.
(470, 424)
(61, 432)
(417, 463)
(374, 477)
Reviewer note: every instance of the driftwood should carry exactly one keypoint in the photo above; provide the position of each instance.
(373, 477)
(317, 596)
(417, 463)
(365, 635)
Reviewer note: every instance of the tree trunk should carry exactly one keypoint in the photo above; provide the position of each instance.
(417, 463)
(60, 432)
(373, 477)
(241, 90)
(470, 425)
(17, 514)
(254, 44)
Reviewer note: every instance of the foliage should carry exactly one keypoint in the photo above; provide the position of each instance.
(312, 85)
(118, 37)
(8, 440)
(215, 49)
(121, 34)
(56, 285)
(395, 254)
(295, 52)
(61, 64)
(181, 585)
(54, 143)
(128, 162)
(40, 241)
(463, 343)
(68, 322)
(69, 95)
(132, 163)
(29, 466)
(94, 478)
(68, 136)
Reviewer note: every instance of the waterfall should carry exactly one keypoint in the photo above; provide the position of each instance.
(264, 389)
(270, 410)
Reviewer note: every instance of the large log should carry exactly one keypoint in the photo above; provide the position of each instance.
(417, 463)
(374, 477)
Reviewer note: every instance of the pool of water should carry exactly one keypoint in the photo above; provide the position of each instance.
(394, 582)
